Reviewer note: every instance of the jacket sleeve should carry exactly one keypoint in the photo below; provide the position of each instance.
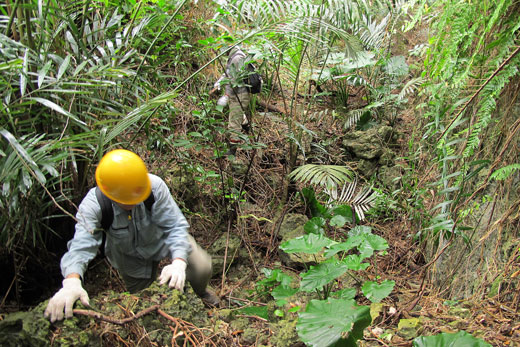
(86, 241)
(168, 217)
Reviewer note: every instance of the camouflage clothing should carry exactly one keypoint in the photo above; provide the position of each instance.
(239, 113)
(238, 93)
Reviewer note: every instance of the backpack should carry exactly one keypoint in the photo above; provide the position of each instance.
(107, 213)
(253, 79)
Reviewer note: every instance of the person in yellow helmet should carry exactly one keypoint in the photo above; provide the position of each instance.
(137, 239)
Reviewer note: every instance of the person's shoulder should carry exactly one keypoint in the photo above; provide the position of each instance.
(91, 194)
(90, 199)
(237, 55)
(155, 180)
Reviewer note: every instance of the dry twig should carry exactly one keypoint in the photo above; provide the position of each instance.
(108, 319)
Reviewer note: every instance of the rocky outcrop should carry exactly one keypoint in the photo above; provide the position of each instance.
(370, 148)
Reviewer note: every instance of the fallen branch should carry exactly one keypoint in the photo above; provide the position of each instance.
(270, 107)
(108, 319)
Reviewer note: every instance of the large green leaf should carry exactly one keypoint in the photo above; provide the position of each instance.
(347, 293)
(310, 243)
(343, 246)
(321, 274)
(275, 276)
(376, 292)
(355, 262)
(460, 339)
(365, 243)
(260, 311)
(371, 243)
(361, 236)
(316, 209)
(360, 229)
(338, 221)
(281, 293)
(342, 216)
(327, 322)
(315, 225)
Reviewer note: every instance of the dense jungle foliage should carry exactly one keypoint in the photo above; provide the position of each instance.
(374, 200)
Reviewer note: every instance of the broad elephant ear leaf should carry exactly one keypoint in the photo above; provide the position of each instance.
(281, 293)
(316, 209)
(371, 243)
(310, 243)
(459, 339)
(315, 225)
(318, 276)
(332, 322)
(376, 292)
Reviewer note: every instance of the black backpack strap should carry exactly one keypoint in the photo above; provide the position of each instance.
(107, 216)
(149, 202)
(107, 213)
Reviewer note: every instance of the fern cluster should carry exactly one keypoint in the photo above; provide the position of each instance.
(471, 60)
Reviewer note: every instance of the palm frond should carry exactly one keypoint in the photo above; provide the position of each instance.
(349, 22)
(353, 118)
(363, 201)
(322, 175)
(410, 87)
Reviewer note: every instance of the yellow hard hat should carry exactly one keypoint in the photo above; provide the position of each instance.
(122, 176)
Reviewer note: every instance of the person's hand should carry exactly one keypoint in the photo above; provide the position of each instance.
(175, 273)
(223, 100)
(65, 299)
(214, 91)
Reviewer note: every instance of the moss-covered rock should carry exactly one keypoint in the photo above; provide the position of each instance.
(410, 328)
(284, 333)
(25, 328)
(370, 148)
(368, 144)
(32, 329)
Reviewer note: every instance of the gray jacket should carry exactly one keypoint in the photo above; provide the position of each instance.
(136, 239)
(235, 73)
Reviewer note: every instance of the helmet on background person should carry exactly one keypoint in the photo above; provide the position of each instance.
(122, 176)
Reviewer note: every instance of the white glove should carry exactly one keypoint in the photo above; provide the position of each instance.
(175, 273)
(65, 298)
(223, 100)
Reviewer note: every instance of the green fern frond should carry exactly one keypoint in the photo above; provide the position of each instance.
(505, 172)
(487, 105)
(322, 175)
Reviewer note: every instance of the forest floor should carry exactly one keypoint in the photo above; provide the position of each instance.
(414, 308)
